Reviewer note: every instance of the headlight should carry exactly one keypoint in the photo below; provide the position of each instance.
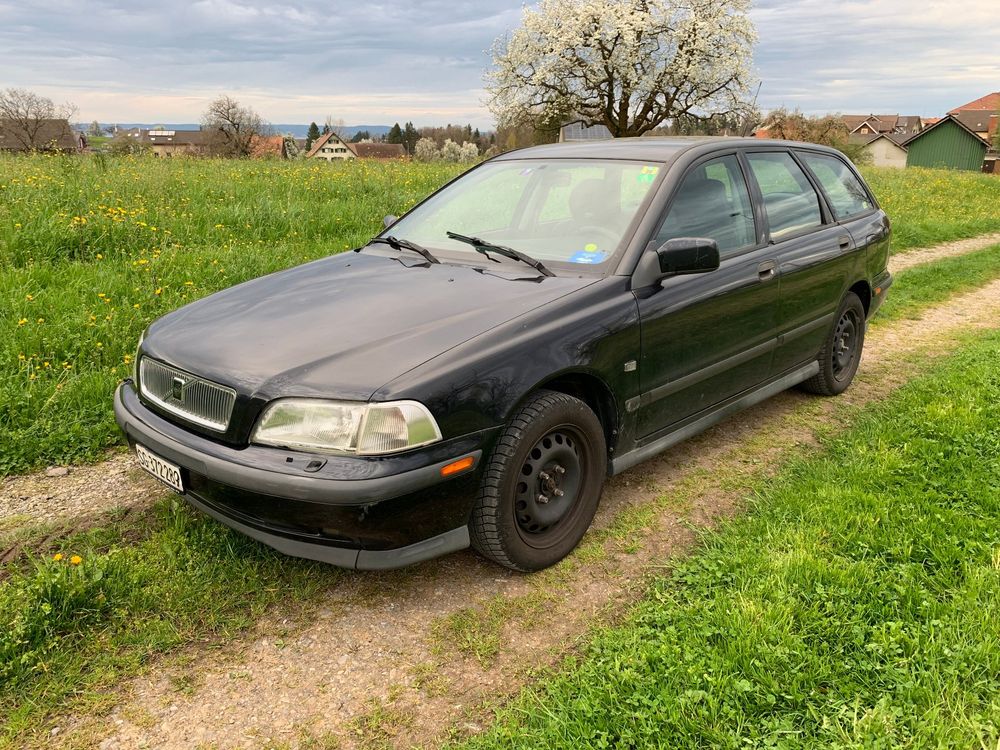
(346, 426)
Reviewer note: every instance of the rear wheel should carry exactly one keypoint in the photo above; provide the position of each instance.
(542, 484)
(841, 353)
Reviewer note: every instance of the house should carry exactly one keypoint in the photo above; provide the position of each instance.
(40, 135)
(982, 116)
(367, 150)
(577, 131)
(169, 143)
(988, 103)
(332, 147)
(885, 149)
(876, 124)
(268, 147)
(948, 144)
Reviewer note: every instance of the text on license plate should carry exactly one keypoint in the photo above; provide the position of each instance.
(166, 472)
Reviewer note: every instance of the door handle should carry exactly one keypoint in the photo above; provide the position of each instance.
(845, 241)
(767, 270)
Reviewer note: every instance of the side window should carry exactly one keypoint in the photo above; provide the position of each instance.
(790, 201)
(713, 202)
(843, 189)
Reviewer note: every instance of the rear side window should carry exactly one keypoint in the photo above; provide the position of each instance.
(789, 198)
(844, 191)
(713, 202)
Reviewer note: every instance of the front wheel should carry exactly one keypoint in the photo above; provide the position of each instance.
(841, 353)
(542, 484)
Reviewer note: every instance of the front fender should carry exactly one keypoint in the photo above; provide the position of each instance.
(477, 385)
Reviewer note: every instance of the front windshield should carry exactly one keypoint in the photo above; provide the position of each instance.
(558, 211)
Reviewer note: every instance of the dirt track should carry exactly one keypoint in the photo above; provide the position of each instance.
(381, 661)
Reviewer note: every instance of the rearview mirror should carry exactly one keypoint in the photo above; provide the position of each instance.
(388, 221)
(686, 255)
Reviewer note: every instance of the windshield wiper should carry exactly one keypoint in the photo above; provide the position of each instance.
(398, 244)
(484, 247)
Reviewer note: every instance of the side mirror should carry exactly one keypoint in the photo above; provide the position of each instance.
(388, 221)
(686, 255)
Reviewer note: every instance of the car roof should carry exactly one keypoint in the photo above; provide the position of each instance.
(647, 148)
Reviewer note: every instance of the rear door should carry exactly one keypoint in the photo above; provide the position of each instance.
(853, 207)
(709, 336)
(814, 254)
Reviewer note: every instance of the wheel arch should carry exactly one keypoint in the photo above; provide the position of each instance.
(589, 388)
(864, 291)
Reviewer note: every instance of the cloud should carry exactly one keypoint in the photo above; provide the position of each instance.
(394, 60)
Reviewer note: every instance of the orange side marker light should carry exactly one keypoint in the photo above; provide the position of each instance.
(456, 466)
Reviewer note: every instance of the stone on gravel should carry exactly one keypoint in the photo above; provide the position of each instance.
(56, 471)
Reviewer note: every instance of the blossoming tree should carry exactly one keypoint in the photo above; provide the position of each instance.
(626, 64)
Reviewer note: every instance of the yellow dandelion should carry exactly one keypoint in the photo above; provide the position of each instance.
(28, 297)
(57, 556)
(22, 321)
(75, 560)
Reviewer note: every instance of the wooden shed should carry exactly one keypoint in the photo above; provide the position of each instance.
(948, 144)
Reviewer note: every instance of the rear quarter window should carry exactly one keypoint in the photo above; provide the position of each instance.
(844, 192)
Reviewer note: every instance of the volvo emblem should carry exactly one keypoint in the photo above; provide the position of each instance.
(177, 388)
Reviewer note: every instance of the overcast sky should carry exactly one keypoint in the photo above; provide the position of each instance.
(375, 63)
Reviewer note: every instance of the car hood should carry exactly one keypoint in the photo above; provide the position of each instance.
(343, 326)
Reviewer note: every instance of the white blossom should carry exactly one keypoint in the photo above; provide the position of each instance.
(470, 152)
(626, 64)
(426, 150)
(451, 151)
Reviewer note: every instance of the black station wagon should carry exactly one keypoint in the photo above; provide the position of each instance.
(472, 375)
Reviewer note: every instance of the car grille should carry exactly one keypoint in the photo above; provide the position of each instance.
(192, 398)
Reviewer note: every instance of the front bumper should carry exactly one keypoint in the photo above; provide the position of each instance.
(354, 512)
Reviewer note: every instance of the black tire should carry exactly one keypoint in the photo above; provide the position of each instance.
(553, 444)
(841, 352)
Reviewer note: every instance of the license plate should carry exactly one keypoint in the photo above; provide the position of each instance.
(166, 472)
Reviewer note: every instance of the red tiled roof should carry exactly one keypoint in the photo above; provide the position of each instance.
(52, 134)
(990, 102)
(267, 146)
(378, 150)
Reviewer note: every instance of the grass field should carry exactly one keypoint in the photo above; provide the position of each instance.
(854, 606)
(93, 249)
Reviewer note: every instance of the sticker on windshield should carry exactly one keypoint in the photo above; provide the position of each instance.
(590, 254)
(648, 174)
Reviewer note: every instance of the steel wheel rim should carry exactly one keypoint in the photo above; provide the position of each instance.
(549, 486)
(845, 344)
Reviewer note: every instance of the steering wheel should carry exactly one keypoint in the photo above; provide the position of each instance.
(603, 233)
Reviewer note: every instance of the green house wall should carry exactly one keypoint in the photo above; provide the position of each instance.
(946, 146)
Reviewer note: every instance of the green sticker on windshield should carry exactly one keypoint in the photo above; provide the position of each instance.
(648, 174)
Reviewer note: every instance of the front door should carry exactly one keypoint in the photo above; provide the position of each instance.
(708, 337)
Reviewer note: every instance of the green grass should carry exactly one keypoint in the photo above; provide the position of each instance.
(919, 287)
(70, 632)
(931, 206)
(856, 605)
